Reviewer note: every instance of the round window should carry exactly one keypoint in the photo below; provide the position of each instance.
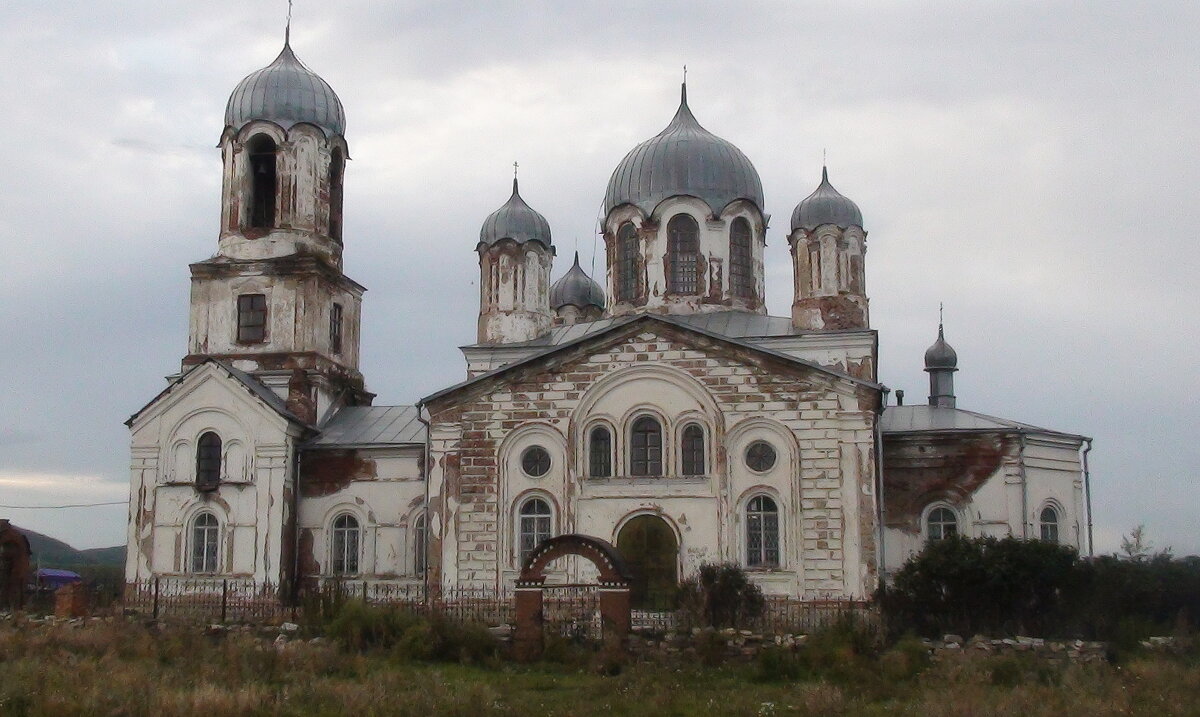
(760, 456)
(535, 461)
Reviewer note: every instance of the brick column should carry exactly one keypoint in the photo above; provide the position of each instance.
(614, 612)
(527, 642)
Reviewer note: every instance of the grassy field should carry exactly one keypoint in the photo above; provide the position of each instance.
(102, 668)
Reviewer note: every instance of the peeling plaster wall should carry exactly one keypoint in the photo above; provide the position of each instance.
(821, 427)
(829, 278)
(514, 298)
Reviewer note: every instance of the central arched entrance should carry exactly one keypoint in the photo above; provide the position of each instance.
(652, 554)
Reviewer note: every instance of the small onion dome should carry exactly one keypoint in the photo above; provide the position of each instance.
(940, 355)
(683, 159)
(516, 221)
(826, 205)
(576, 288)
(287, 93)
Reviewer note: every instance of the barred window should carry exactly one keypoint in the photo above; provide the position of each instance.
(252, 318)
(345, 545)
(335, 328)
(419, 545)
(600, 453)
(535, 461)
(204, 543)
(762, 532)
(741, 280)
(683, 253)
(534, 526)
(627, 264)
(693, 450)
(941, 523)
(1049, 520)
(760, 456)
(645, 455)
(263, 182)
(208, 461)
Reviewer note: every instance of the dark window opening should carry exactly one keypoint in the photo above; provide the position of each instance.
(345, 545)
(337, 168)
(600, 453)
(645, 456)
(335, 328)
(942, 524)
(208, 462)
(263, 182)
(535, 461)
(762, 532)
(252, 318)
(683, 254)
(760, 456)
(534, 526)
(741, 279)
(204, 543)
(1049, 519)
(627, 264)
(693, 450)
(419, 545)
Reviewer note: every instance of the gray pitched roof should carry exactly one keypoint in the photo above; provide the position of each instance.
(366, 426)
(935, 419)
(729, 324)
(253, 385)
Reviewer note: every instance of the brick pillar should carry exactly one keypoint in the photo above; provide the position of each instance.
(614, 612)
(527, 642)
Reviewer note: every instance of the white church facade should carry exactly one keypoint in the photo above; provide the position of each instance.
(664, 411)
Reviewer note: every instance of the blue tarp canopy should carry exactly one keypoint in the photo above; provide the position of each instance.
(56, 578)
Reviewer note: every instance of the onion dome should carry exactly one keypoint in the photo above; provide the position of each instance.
(826, 205)
(516, 221)
(941, 355)
(287, 93)
(683, 159)
(576, 288)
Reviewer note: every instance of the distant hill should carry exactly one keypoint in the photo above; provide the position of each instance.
(52, 553)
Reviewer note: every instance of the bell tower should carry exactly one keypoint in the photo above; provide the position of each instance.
(273, 301)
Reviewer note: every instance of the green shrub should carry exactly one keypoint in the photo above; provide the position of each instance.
(719, 595)
(904, 660)
(777, 664)
(409, 636)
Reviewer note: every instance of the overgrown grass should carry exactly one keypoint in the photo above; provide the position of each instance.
(129, 669)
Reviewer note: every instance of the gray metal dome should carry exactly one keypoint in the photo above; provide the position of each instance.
(941, 355)
(576, 288)
(287, 93)
(517, 221)
(683, 159)
(826, 205)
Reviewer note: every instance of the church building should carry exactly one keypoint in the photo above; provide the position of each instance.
(660, 409)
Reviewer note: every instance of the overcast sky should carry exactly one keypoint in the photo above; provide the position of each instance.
(1031, 164)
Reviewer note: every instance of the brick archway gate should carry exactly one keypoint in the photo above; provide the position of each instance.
(613, 589)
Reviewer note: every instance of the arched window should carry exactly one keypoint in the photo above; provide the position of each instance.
(762, 532)
(345, 545)
(263, 182)
(337, 167)
(599, 452)
(208, 461)
(645, 454)
(533, 526)
(683, 254)
(693, 450)
(1049, 520)
(419, 545)
(741, 280)
(204, 543)
(627, 264)
(942, 523)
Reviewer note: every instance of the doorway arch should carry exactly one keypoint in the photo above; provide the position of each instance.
(651, 551)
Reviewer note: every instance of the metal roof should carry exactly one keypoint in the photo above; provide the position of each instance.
(729, 324)
(935, 419)
(258, 388)
(287, 93)
(683, 159)
(576, 288)
(515, 220)
(941, 355)
(826, 205)
(365, 426)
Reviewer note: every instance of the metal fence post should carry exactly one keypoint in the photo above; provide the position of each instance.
(156, 598)
(224, 599)
(364, 592)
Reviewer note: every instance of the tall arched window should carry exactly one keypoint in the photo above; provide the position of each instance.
(645, 454)
(683, 254)
(204, 543)
(627, 264)
(345, 545)
(599, 452)
(419, 545)
(762, 532)
(942, 523)
(263, 182)
(208, 461)
(741, 279)
(692, 450)
(337, 167)
(533, 526)
(1049, 520)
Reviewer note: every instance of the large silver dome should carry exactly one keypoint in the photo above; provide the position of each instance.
(826, 205)
(517, 221)
(576, 288)
(683, 159)
(287, 93)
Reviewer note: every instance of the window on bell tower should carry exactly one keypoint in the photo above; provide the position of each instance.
(251, 318)
(335, 328)
(263, 182)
